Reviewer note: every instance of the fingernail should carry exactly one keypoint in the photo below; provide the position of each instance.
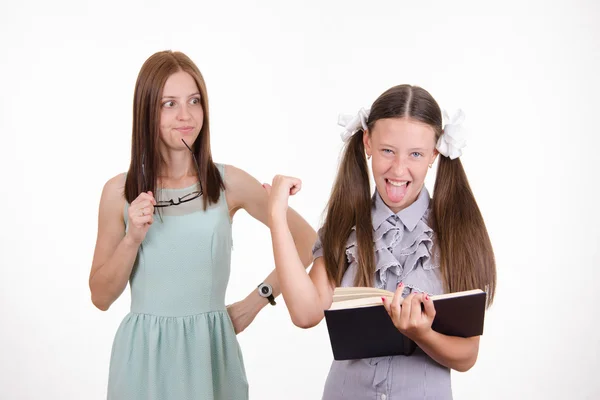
(426, 297)
(383, 299)
(400, 284)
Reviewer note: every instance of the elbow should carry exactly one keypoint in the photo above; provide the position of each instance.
(99, 300)
(305, 322)
(100, 304)
(470, 358)
(463, 367)
(466, 364)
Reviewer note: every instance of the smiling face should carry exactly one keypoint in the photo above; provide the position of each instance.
(181, 113)
(402, 150)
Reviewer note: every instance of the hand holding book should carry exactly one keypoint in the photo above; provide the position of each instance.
(365, 322)
(412, 315)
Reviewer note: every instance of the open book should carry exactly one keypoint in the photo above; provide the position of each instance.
(359, 326)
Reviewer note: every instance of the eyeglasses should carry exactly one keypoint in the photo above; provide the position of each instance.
(188, 197)
(171, 202)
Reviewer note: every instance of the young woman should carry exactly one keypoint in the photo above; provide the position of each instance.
(397, 238)
(165, 227)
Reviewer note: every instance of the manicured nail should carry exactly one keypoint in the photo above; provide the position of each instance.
(383, 299)
(400, 284)
(426, 297)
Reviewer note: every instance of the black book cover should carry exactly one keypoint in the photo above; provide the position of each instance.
(366, 332)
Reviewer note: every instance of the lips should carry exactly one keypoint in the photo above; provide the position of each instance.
(185, 129)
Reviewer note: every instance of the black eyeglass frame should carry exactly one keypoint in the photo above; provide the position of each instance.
(188, 197)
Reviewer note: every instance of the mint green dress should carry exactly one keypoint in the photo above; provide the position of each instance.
(178, 341)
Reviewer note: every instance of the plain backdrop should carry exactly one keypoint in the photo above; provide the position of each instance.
(278, 74)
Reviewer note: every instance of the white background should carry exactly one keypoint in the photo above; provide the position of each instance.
(278, 74)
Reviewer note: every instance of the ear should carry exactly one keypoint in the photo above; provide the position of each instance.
(433, 156)
(367, 142)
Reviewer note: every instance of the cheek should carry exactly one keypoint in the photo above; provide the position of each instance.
(164, 119)
(420, 171)
(198, 114)
(379, 166)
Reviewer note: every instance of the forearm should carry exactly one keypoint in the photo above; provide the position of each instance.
(304, 236)
(453, 352)
(109, 281)
(299, 292)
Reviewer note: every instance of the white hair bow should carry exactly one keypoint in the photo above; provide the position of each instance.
(450, 143)
(352, 123)
(452, 140)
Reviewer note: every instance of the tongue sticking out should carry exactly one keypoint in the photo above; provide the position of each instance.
(395, 193)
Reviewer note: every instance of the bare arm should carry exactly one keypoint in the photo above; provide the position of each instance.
(306, 296)
(245, 192)
(451, 351)
(115, 252)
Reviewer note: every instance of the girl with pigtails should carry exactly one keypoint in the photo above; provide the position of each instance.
(397, 238)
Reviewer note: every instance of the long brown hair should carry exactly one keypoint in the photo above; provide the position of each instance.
(466, 256)
(145, 157)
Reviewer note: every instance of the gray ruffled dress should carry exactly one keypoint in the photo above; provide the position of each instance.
(403, 253)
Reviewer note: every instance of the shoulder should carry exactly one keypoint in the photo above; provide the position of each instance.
(230, 170)
(113, 193)
(234, 177)
(241, 187)
(115, 185)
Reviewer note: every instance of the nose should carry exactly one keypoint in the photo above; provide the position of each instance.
(399, 165)
(183, 113)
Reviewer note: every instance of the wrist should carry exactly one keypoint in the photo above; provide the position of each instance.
(130, 242)
(425, 338)
(265, 291)
(256, 302)
(277, 219)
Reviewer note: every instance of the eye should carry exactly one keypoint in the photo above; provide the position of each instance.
(416, 154)
(387, 151)
(169, 104)
(195, 101)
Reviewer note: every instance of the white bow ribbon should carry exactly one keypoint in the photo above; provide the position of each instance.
(352, 123)
(450, 143)
(452, 140)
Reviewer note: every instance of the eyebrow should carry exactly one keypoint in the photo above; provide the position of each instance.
(174, 97)
(411, 149)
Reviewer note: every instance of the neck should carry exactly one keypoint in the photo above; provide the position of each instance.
(176, 165)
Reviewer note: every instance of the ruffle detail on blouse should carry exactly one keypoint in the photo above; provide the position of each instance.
(412, 246)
